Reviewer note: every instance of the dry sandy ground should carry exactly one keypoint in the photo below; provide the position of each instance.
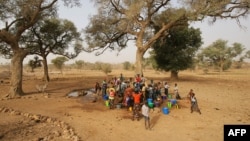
(223, 99)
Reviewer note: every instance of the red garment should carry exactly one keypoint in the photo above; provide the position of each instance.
(138, 79)
(137, 98)
(128, 92)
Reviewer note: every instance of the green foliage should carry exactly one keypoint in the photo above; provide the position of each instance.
(54, 36)
(59, 62)
(17, 17)
(146, 62)
(227, 65)
(126, 65)
(98, 65)
(176, 51)
(79, 64)
(220, 55)
(106, 68)
(247, 55)
(34, 63)
(116, 23)
(238, 64)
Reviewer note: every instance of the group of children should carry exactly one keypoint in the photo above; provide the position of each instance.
(134, 92)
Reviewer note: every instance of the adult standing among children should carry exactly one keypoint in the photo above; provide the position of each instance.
(145, 113)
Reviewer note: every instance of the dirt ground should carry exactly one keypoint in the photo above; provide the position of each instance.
(223, 99)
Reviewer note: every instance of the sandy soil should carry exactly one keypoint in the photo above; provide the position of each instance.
(223, 99)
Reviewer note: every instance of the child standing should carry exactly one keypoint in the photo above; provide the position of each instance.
(145, 113)
(194, 103)
(176, 92)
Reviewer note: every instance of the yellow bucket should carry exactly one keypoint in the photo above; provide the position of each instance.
(130, 108)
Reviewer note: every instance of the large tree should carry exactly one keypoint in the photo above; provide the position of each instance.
(79, 64)
(176, 51)
(59, 62)
(247, 55)
(220, 54)
(16, 17)
(54, 36)
(119, 21)
(35, 63)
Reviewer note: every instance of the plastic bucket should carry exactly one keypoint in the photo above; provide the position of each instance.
(165, 110)
(169, 104)
(107, 103)
(105, 97)
(150, 105)
(157, 104)
(173, 101)
(118, 106)
(150, 100)
(130, 108)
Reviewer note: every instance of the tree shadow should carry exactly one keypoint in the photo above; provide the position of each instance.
(67, 88)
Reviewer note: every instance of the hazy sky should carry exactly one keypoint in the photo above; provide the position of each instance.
(225, 30)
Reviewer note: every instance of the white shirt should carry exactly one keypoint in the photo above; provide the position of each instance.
(166, 86)
(145, 110)
(193, 99)
(176, 89)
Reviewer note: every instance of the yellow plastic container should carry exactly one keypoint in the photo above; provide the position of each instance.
(176, 106)
(130, 109)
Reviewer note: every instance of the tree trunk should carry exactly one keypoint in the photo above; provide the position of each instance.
(174, 75)
(45, 69)
(17, 73)
(221, 65)
(32, 69)
(138, 61)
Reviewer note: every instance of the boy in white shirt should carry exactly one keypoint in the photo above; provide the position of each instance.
(145, 113)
